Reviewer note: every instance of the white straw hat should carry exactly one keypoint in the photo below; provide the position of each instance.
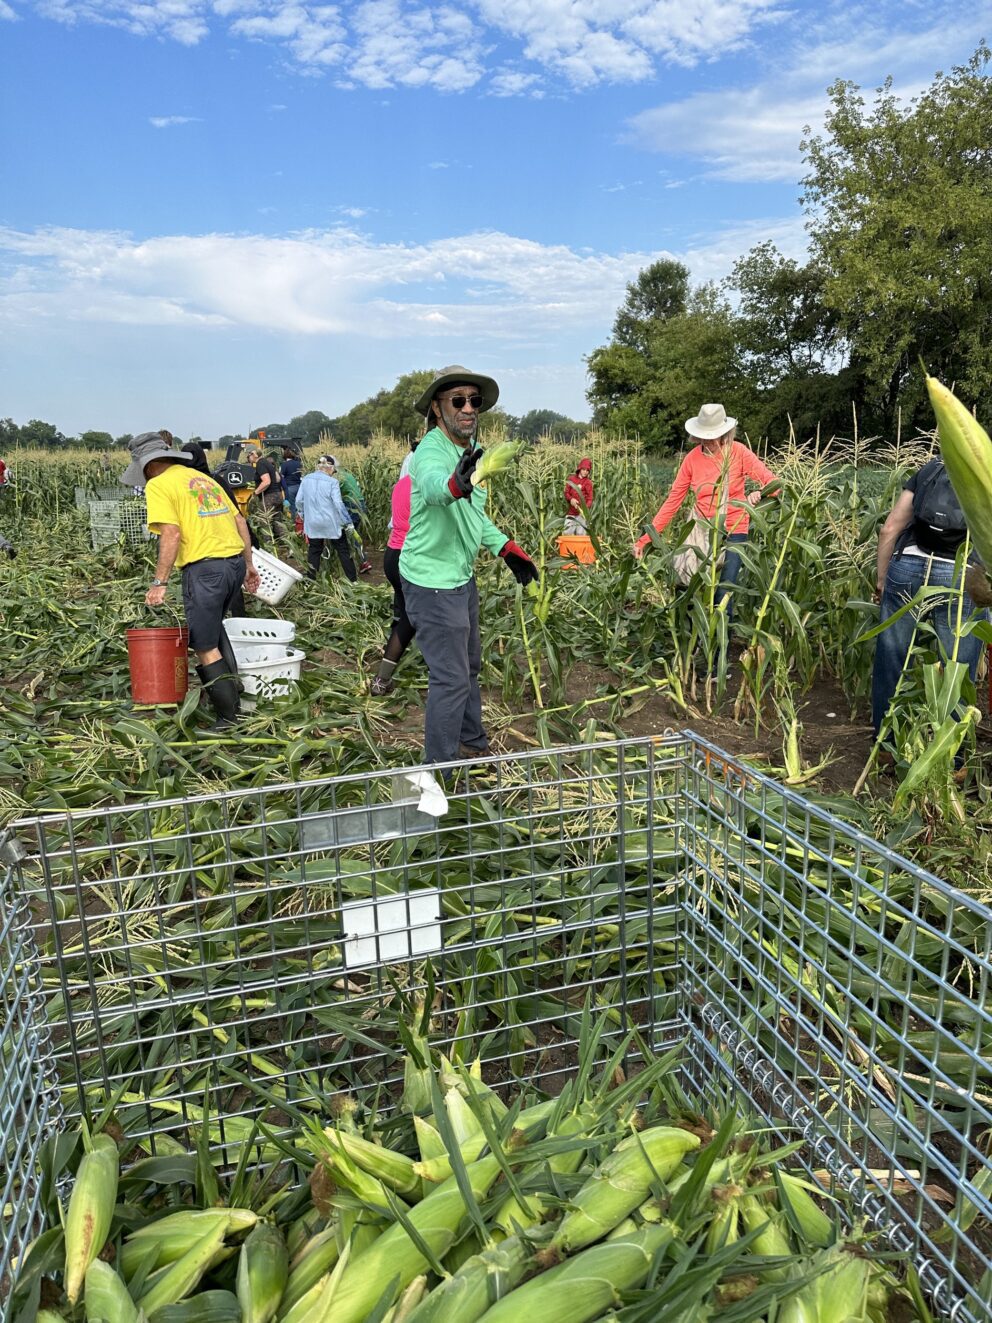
(710, 422)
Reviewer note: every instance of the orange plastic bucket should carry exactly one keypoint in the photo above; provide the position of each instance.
(578, 546)
(159, 666)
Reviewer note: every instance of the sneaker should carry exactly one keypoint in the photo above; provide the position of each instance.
(365, 566)
(379, 687)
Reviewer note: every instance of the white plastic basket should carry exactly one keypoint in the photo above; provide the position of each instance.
(276, 577)
(242, 629)
(256, 650)
(270, 679)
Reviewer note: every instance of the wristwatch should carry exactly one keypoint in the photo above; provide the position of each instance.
(158, 583)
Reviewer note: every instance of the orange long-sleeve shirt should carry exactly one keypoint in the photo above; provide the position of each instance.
(700, 474)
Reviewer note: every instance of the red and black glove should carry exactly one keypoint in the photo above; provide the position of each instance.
(521, 566)
(460, 482)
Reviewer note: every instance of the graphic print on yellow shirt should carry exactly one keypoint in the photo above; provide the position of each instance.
(197, 506)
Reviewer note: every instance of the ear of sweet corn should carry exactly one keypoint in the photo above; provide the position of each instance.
(106, 1297)
(317, 1258)
(478, 1284)
(91, 1210)
(204, 1307)
(621, 1183)
(807, 1218)
(179, 1279)
(583, 1287)
(174, 1235)
(393, 1169)
(263, 1268)
(496, 459)
(967, 453)
(771, 1241)
(394, 1256)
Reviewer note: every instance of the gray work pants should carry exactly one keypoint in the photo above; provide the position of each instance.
(447, 625)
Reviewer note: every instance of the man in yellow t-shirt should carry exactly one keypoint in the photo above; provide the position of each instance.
(200, 533)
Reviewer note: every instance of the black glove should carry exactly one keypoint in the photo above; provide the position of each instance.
(460, 482)
(521, 566)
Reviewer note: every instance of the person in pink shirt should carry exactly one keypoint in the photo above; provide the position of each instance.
(403, 631)
(717, 459)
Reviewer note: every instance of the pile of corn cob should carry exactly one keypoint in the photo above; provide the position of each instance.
(611, 1201)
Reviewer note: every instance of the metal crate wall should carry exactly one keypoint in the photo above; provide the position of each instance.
(112, 520)
(811, 974)
(30, 1107)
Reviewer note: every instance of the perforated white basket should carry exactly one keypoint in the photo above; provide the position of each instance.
(276, 577)
(243, 629)
(271, 678)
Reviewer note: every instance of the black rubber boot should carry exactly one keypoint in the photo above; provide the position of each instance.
(228, 656)
(222, 690)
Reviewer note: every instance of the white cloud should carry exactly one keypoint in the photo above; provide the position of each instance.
(337, 282)
(408, 43)
(168, 121)
(7, 13)
(754, 133)
(353, 213)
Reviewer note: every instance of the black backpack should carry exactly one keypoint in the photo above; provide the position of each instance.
(937, 509)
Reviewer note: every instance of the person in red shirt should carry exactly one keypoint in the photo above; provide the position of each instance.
(718, 459)
(578, 499)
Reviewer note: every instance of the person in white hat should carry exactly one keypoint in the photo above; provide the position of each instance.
(716, 472)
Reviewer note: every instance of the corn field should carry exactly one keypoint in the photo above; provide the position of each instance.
(732, 1227)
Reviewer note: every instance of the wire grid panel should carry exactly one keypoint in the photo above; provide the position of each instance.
(29, 1105)
(840, 987)
(186, 940)
(112, 520)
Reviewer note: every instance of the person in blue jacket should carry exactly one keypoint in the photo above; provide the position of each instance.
(326, 522)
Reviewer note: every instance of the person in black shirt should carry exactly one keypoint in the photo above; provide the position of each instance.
(291, 474)
(918, 546)
(268, 494)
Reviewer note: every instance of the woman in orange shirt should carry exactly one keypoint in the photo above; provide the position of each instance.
(718, 458)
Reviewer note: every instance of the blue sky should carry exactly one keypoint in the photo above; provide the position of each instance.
(221, 213)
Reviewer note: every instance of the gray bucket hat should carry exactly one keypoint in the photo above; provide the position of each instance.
(455, 375)
(145, 448)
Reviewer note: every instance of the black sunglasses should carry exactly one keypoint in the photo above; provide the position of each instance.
(459, 401)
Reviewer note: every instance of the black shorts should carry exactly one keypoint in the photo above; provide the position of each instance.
(210, 588)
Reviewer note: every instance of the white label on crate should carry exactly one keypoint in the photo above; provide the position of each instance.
(393, 928)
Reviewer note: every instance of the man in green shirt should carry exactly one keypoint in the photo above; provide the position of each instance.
(448, 525)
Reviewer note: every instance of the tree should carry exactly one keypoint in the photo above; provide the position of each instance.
(389, 410)
(96, 440)
(791, 344)
(689, 358)
(308, 426)
(546, 422)
(37, 434)
(660, 291)
(900, 205)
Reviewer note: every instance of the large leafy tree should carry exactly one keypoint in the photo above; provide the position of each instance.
(389, 410)
(660, 291)
(688, 358)
(900, 204)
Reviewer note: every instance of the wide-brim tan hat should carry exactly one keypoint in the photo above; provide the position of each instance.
(456, 375)
(145, 448)
(710, 422)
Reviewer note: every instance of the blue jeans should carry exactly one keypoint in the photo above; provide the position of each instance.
(906, 576)
(729, 574)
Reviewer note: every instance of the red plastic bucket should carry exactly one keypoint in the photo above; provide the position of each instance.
(158, 662)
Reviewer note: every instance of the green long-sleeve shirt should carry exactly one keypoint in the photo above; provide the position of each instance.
(445, 534)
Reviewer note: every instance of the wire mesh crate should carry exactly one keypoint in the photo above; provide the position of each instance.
(112, 520)
(808, 973)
